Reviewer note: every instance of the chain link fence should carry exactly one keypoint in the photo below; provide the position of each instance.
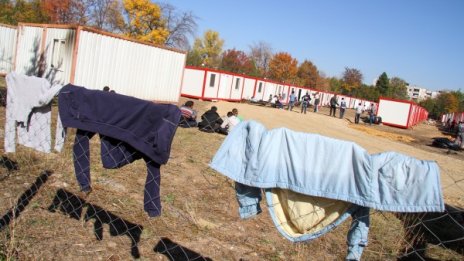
(85, 203)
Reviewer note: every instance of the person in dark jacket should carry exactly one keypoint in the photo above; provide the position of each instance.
(333, 105)
(210, 120)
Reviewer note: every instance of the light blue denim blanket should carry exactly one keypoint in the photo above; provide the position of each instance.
(325, 167)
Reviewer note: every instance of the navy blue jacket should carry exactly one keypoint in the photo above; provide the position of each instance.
(146, 126)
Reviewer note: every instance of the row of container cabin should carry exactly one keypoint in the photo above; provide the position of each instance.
(210, 84)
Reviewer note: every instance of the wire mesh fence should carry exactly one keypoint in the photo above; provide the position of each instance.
(98, 199)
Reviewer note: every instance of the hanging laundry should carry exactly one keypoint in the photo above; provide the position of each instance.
(129, 129)
(28, 111)
(310, 179)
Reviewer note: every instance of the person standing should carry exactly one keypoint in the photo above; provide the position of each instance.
(291, 101)
(372, 114)
(305, 102)
(333, 105)
(359, 111)
(342, 108)
(317, 100)
(460, 135)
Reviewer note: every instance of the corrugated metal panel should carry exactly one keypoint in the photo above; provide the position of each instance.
(7, 48)
(59, 48)
(237, 86)
(225, 83)
(29, 48)
(192, 84)
(130, 68)
(248, 88)
(212, 85)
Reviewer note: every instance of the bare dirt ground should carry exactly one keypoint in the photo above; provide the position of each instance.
(200, 212)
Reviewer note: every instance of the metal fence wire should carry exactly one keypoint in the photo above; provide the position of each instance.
(94, 200)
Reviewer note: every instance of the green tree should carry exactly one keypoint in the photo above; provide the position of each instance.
(367, 92)
(383, 84)
(398, 89)
(283, 67)
(335, 84)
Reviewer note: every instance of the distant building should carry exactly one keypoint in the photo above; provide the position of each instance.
(418, 94)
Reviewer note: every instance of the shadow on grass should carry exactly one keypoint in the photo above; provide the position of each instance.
(73, 206)
(444, 229)
(176, 252)
(24, 200)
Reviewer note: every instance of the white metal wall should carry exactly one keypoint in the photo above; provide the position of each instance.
(260, 87)
(211, 88)
(60, 72)
(130, 68)
(7, 48)
(269, 89)
(192, 84)
(28, 49)
(225, 85)
(237, 86)
(248, 88)
(394, 112)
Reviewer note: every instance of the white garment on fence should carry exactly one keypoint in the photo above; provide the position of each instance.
(28, 111)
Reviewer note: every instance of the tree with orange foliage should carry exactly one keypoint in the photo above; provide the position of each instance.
(145, 22)
(308, 75)
(283, 67)
(238, 62)
(65, 11)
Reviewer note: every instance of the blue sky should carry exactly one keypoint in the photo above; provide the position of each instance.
(420, 41)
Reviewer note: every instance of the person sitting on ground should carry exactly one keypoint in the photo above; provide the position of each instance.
(235, 112)
(278, 102)
(210, 120)
(228, 123)
(274, 101)
(188, 115)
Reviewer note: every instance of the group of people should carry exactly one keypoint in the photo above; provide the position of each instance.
(276, 101)
(210, 121)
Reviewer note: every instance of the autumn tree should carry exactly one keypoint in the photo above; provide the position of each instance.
(383, 84)
(106, 15)
(13, 12)
(207, 49)
(180, 25)
(7, 12)
(261, 54)
(144, 21)
(352, 78)
(308, 74)
(238, 62)
(283, 67)
(65, 11)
